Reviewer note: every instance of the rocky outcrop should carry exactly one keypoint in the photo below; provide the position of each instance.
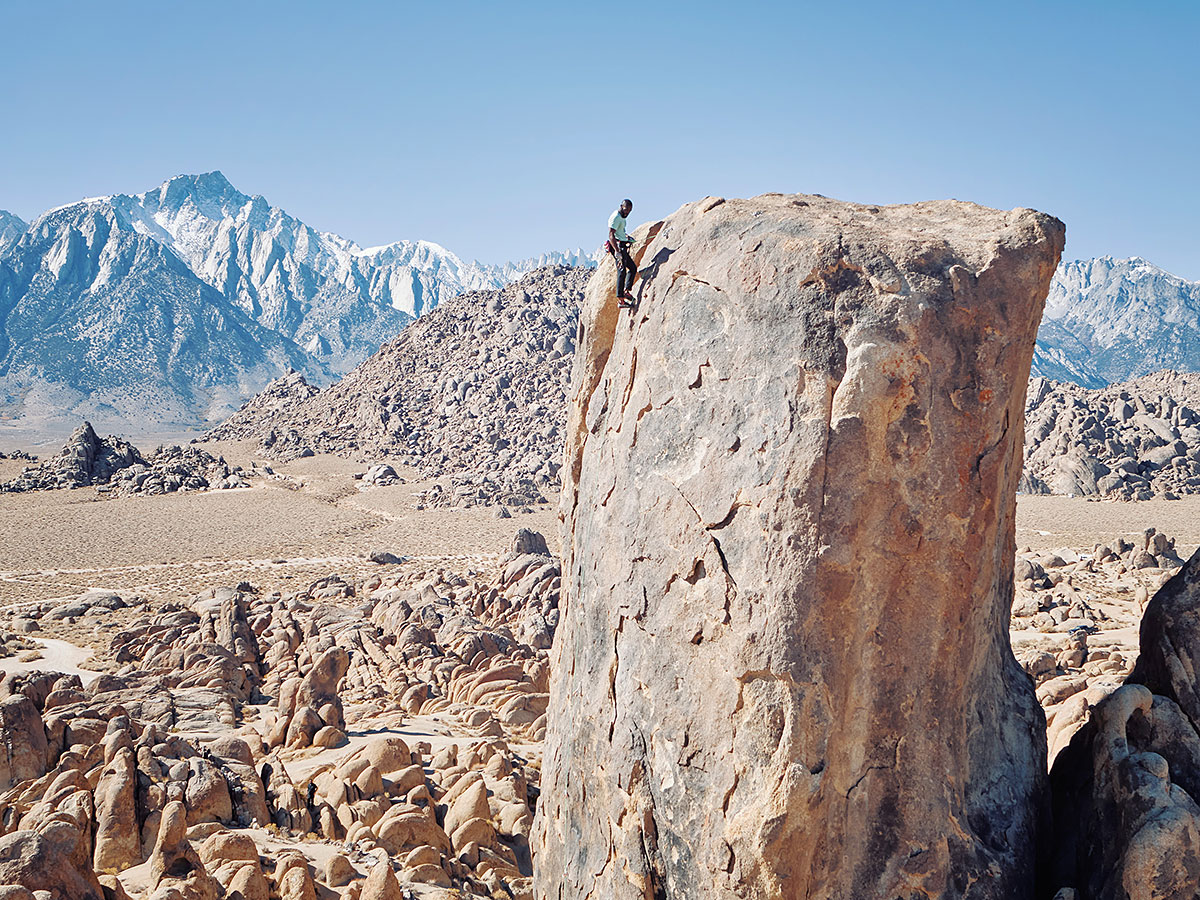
(784, 669)
(1074, 622)
(25, 750)
(116, 468)
(84, 460)
(1126, 789)
(118, 843)
(472, 394)
(1131, 441)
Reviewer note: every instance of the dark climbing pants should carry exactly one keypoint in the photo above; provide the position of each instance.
(626, 270)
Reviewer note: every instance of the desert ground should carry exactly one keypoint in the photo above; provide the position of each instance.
(284, 535)
(308, 521)
(310, 518)
(315, 515)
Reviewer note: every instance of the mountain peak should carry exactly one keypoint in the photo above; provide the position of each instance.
(1096, 273)
(208, 187)
(205, 181)
(11, 229)
(216, 178)
(1108, 320)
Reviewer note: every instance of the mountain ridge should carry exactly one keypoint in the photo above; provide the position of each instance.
(117, 327)
(108, 303)
(1109, 320)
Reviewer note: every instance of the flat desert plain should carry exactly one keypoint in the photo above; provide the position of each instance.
(314, 519)
(309, 521)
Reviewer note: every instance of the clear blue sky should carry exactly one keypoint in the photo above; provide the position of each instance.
(504, 129)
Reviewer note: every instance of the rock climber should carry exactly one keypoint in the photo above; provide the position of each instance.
(618, 246)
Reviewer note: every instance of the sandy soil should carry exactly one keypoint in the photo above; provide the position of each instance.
(279, 534)
(56, 656)
(1053, 522)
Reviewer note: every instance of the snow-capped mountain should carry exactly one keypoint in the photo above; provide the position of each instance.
(335, 299)
(205, 291)
(320, 290)
(101, 321)
(11, 229)
(1110, 320)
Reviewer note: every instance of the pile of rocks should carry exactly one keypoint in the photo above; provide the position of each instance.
(1130, 441)
(267, 411)
(14, 644)
(237, 732)
(1079, 602)
(93, 604)
(1124, 786)
(84, 460)
(472, 394)
(117, 469)
(18, 454)
(176, 468)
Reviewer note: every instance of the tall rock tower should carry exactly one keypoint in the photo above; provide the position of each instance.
(783, 668)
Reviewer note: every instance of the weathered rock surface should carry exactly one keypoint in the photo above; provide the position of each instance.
(53, 858)
(1127, 818)
(784, 668)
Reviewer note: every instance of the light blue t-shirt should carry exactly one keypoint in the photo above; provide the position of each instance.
(617, 223)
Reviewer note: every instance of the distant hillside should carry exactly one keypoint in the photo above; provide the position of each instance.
(475, 391)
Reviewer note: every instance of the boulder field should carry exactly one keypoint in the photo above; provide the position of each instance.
(783, 665)
(1125, 817)
(1131, 441)
(335, 741)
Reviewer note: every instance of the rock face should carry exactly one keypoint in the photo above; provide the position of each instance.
(783, 668)
(1125, 790)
